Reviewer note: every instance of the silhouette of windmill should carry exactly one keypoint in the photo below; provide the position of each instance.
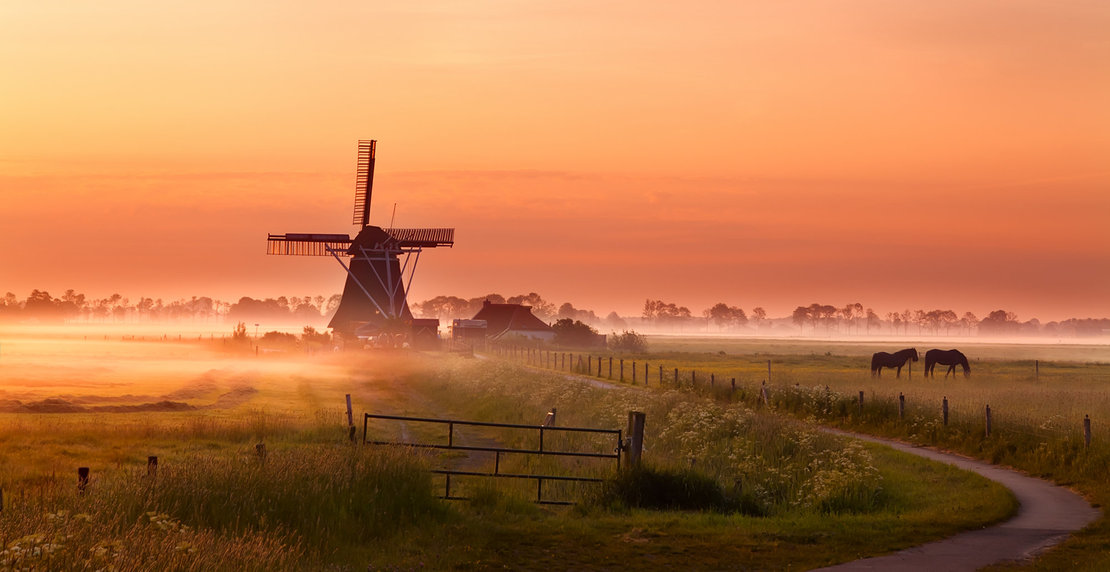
(379, 275)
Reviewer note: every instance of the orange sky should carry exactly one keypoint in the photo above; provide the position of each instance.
(901, 154)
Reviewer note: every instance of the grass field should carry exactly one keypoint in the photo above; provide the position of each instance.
(315, 501)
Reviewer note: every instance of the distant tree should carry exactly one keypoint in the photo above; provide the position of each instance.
(567, 310)
(540, 308)
(666, 313)
(850, 312)
(803, 316)
(873, 321)
(444, 308)
(999, 322)
(613, 320)
(239, 333)
(725, 316)
(628, 341)
(759, 315)
(895, 320)
(573, 333)
(968, 321)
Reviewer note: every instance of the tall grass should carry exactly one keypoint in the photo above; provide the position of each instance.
(775, 464)
(241, 512)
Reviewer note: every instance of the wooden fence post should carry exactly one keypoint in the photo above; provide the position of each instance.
(152, 466)
(611, 367)
(734, 384)
(589, 364)
(635, 437)
(633, 372)
(676, 377)
(712, 380)
(861, 403)
(660, 376)
(988, 420)
(763, 391)
(350, 420)
(901, 405)
(1087, 431)
(82, 479)
(944, 410)
(599, 366)
(622, 370)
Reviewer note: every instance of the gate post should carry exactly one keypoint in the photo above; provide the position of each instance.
(635, 437)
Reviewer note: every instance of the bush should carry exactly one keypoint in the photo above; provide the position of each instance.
(628, 341)
(660, 489)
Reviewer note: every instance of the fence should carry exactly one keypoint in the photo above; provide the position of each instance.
(690, 379)
(547, 427)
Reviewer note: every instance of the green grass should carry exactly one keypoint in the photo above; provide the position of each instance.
(316, 501)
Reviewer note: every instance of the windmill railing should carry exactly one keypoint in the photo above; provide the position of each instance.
(307, 244)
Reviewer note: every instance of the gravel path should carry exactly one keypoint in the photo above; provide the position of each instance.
(1048, 514)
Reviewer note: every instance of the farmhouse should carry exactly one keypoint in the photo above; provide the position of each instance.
(506, 321)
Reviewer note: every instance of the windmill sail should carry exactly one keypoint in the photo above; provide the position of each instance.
(364, 182)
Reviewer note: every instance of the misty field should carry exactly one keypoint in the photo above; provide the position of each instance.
(771, 492)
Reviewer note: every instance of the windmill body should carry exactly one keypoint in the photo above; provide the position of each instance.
(380, 262)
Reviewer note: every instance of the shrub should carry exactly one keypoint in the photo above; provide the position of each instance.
(628, 341)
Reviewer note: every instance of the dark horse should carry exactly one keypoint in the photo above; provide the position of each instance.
(950, 358)
(896, 359)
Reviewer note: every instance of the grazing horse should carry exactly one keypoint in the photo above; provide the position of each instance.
(950, 358)
(896, 360)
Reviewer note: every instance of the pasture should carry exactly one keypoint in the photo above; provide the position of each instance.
(202, 408)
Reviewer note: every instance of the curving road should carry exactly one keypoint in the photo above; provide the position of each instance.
(1048, 514)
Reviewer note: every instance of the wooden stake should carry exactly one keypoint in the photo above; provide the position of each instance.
(635, 437)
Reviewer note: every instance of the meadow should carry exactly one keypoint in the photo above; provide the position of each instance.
(754, 488)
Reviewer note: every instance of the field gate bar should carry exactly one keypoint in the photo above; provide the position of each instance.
(497, 451)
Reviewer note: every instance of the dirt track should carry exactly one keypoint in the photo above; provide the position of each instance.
(1048, 514)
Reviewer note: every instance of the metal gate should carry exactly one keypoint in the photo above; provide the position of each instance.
(450, 445)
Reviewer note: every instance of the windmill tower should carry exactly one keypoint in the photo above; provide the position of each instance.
(379, 273)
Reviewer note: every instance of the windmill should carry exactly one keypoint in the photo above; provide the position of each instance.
(379, 274)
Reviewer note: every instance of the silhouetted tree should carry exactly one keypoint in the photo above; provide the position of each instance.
(999, 322)
(758, 316)
(573, 333)
(540, 307)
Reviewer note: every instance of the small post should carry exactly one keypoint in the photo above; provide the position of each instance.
(768, 370)
(152, 466)
(635, 437)
(676, 377)
(599, 366)
(260, 450)
(589, 364)
(988, 420)
(944, 410)
(763, 392)
(622, 370)
(734, 384)
(82, 479)
(861, 403)
(633, 373)
(350, 418)
(901, 405)
(694, 377)
(712, 380)
(1087, 431)
(1037, 368)
(660, 376)
(611, 368)
(549, 421)
(645, 373)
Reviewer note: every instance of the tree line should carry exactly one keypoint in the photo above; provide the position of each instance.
(815, 319)
(73, 306)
